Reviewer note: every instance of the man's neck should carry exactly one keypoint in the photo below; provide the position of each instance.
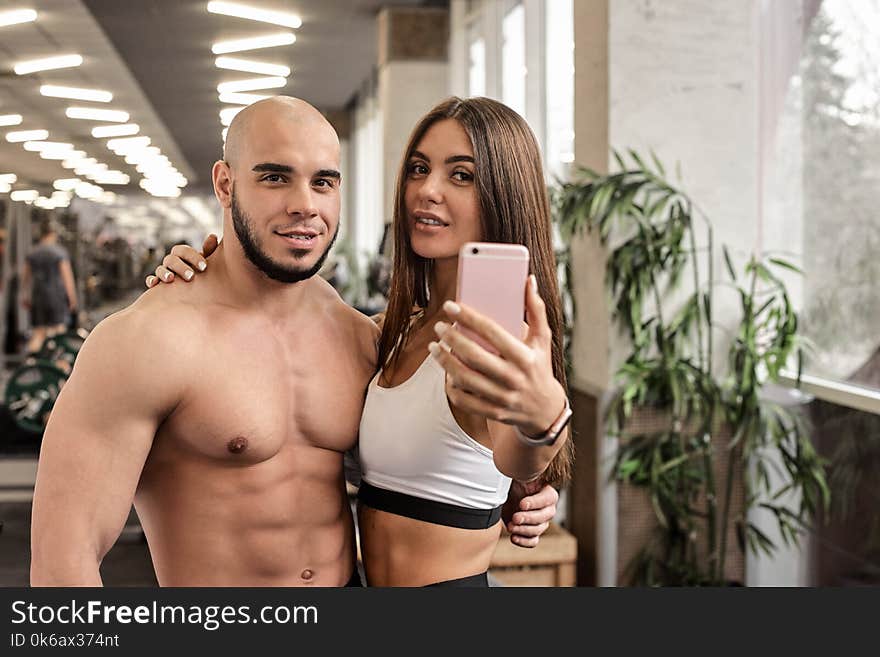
(244, 285)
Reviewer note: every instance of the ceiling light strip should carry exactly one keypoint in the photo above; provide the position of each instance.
(236, 10)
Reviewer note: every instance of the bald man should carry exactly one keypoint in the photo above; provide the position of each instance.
(222, 409)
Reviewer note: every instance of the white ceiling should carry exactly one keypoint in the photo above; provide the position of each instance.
(65, 26)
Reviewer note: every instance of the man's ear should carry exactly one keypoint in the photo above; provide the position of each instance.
(221, 175)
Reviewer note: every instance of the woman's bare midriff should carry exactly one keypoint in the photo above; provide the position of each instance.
(400, 551)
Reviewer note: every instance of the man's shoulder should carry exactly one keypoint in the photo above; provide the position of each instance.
(154, 325)
(360, 328)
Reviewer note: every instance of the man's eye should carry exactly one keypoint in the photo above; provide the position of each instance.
(323, 182)
(274, 177)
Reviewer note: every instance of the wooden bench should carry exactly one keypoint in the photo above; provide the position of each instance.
(552, 563)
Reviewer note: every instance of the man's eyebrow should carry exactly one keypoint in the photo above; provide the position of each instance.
(448, 160)
(272, 167)
(328, 173)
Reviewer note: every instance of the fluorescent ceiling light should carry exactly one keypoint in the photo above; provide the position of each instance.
(61, 155)
(254, 14)
(233, 98)
(16, 16)
(7, 178)
(128, 144)
(112, 178)
(47, 64)
(251, 84)
(250, 66)
(65, 184)
(26, 135)
(4, 188)
(254, 43)
(10, 119)
(88, 190)
(37, 146)
(90, 169)
(27, 195)
(124, 130)
(76, 93)
(226, 115)
(91, 114)
(83, 162)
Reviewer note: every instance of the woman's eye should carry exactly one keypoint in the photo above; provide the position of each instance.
(462, 176)
(418, 169)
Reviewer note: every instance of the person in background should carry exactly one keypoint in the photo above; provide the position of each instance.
(48, 287)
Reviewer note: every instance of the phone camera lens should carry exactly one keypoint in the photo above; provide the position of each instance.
(475, 250)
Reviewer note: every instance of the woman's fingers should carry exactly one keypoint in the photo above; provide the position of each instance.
(510, 347)
(465, 379)
(475, 357)
(210, 244)
(175, 264)
(165, 275)
(189, 255)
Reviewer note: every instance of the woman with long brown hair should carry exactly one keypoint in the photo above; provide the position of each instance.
(447, 424)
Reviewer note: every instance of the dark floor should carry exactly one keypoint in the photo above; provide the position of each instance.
(127, 564)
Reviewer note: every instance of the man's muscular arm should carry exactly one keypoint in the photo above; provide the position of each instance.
(126, 379)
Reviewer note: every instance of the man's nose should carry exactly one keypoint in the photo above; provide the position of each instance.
(300, 201)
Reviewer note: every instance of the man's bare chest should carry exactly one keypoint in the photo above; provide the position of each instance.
(247, 404)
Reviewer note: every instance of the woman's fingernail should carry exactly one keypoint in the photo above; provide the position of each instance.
(166, 277)
(451, 308)
(434, 348)
(202, 265)
(151, 280)
(534, 283)
(440, 328)
(188, 274)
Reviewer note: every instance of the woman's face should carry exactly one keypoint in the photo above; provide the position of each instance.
(442, 209)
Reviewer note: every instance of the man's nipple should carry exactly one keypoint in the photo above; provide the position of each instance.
(237, 445)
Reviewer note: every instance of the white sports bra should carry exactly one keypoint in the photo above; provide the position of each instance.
(411, 444)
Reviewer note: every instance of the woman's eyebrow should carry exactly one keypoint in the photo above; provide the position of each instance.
(449, 160)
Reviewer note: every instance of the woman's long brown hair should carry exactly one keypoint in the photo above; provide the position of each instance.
(514, 209)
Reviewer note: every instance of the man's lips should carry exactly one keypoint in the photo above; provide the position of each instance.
(298, 232)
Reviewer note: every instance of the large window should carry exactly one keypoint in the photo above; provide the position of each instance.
(826, 142)
(476, 61)
(559, 149)
(521, 52)
(841, 123)
(513, 59)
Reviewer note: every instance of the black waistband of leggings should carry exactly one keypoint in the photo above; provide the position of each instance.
(474, 581)
(419, 508)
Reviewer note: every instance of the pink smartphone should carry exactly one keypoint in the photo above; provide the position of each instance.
(492, 280)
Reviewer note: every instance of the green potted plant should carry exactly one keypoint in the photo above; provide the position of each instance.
(710, 432)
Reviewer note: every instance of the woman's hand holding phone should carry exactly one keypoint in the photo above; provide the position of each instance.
(517, 386)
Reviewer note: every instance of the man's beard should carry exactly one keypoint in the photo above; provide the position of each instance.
(277, 272)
